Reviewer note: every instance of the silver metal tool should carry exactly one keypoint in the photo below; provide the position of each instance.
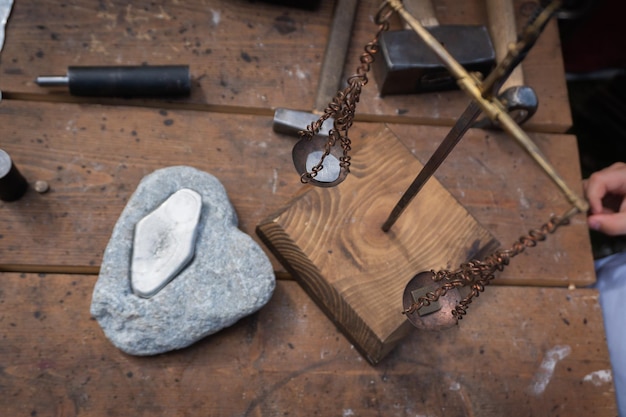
(405, 64)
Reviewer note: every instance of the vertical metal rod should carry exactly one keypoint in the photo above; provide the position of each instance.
(443, 150)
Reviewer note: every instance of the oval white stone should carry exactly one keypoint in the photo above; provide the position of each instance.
(164, 242)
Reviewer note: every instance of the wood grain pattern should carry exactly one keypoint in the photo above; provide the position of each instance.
(94, 156)
(490, 174)
(245, 57)
(242, 54)
(289, 358)
(248, 58)
(331, 240)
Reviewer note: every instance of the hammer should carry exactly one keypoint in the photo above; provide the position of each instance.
(406, 65)
(293, 121)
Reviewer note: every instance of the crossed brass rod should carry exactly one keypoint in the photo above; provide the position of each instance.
(480, 92)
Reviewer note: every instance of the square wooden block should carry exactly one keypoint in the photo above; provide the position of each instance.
(331, 241)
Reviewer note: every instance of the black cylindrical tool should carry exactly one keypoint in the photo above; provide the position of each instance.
(12, 184)
(123, 81)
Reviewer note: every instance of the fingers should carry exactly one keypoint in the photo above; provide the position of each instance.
(606, 192)
(611, 224)
(609, 180)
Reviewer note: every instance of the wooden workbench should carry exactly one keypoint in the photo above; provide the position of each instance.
(247, 58)
(532, 345)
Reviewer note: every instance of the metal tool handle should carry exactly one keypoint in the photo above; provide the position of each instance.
(130, 81)
(124, 81)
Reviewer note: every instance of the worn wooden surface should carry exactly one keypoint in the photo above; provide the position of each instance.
(331, 241)
(522, 350)
(94, 156)
(248, 57)
(493, 178)
(289, 359)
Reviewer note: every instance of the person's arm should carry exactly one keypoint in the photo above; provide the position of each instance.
(606, 192)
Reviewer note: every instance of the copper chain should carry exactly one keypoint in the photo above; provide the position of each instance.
(343, 106)
(477, 274)
(474, 274)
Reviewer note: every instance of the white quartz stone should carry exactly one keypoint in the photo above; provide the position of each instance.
(165, 242)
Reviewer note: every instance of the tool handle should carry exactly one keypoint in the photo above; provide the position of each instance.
(129, 81)
(423, 11)
(503, 30)
(336, 51)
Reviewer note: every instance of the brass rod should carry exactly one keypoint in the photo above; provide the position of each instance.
(508, 124)
(491, 106)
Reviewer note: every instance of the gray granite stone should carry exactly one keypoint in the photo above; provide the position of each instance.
(229, 277)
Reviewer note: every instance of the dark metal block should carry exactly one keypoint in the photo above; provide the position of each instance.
(404, 64)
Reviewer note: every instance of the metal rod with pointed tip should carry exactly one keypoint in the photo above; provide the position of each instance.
(443, 150)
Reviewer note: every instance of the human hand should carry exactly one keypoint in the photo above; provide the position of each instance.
(606, 192)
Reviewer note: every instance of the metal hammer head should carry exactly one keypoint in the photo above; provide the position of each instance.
(404, 64)
(291, 122)
(520, 102)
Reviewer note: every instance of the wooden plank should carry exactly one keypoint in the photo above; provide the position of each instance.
(94, 156)
(245, 57)
(519, 352)
(331, 241)
(507, 192)
(240, 53)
